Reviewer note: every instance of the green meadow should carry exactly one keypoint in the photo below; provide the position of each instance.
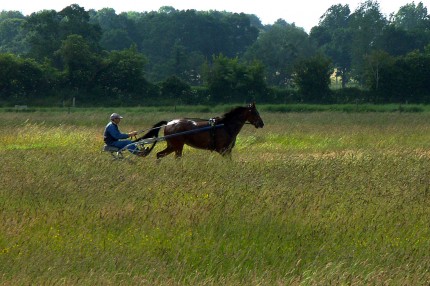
(313, 198)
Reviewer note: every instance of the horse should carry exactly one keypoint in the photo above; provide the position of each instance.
(216, 134)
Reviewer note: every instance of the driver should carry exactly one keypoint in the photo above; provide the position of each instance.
(113, 137)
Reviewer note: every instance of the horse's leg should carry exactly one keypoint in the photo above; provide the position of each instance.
(178, 152)
(226, 150)
(163, 153)
(226, 153)
(169, 149)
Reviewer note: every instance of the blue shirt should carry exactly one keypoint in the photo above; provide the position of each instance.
(112, 133)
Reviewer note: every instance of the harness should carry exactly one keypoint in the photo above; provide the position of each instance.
(212, 122)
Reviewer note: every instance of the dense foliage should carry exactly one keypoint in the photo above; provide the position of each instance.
(194, 57)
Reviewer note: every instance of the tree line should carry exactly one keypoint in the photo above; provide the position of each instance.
(200, 57)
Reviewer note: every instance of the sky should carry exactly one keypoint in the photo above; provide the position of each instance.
(304, 13)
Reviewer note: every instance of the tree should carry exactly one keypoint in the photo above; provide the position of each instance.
(255, 86)
(367, 24)
(122, 74)
(278, 49)
(43, 34)
(312, 77)
(106, 18)
(333, 37)
(165, 34)
(416, 74)
(12, 36)
(229, 80)
(47, 29)
(76, 21)
(79, 60)
(175, 89)
(11, 32)
(22, 79)
(399, 79)
(116, 29)
(116, 39)
(398, 42)
(412, 17)
(241, 34)
(376, 62)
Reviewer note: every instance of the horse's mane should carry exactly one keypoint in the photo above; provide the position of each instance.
(232, 113)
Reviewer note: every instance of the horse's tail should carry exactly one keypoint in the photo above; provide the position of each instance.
(152, 133)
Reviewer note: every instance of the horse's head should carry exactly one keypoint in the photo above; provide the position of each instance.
(253, 116)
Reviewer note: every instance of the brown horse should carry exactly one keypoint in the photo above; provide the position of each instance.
(217, 134)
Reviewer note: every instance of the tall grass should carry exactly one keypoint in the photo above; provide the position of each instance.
(310, 199)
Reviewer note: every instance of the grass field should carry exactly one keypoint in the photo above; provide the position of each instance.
(322, 198)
